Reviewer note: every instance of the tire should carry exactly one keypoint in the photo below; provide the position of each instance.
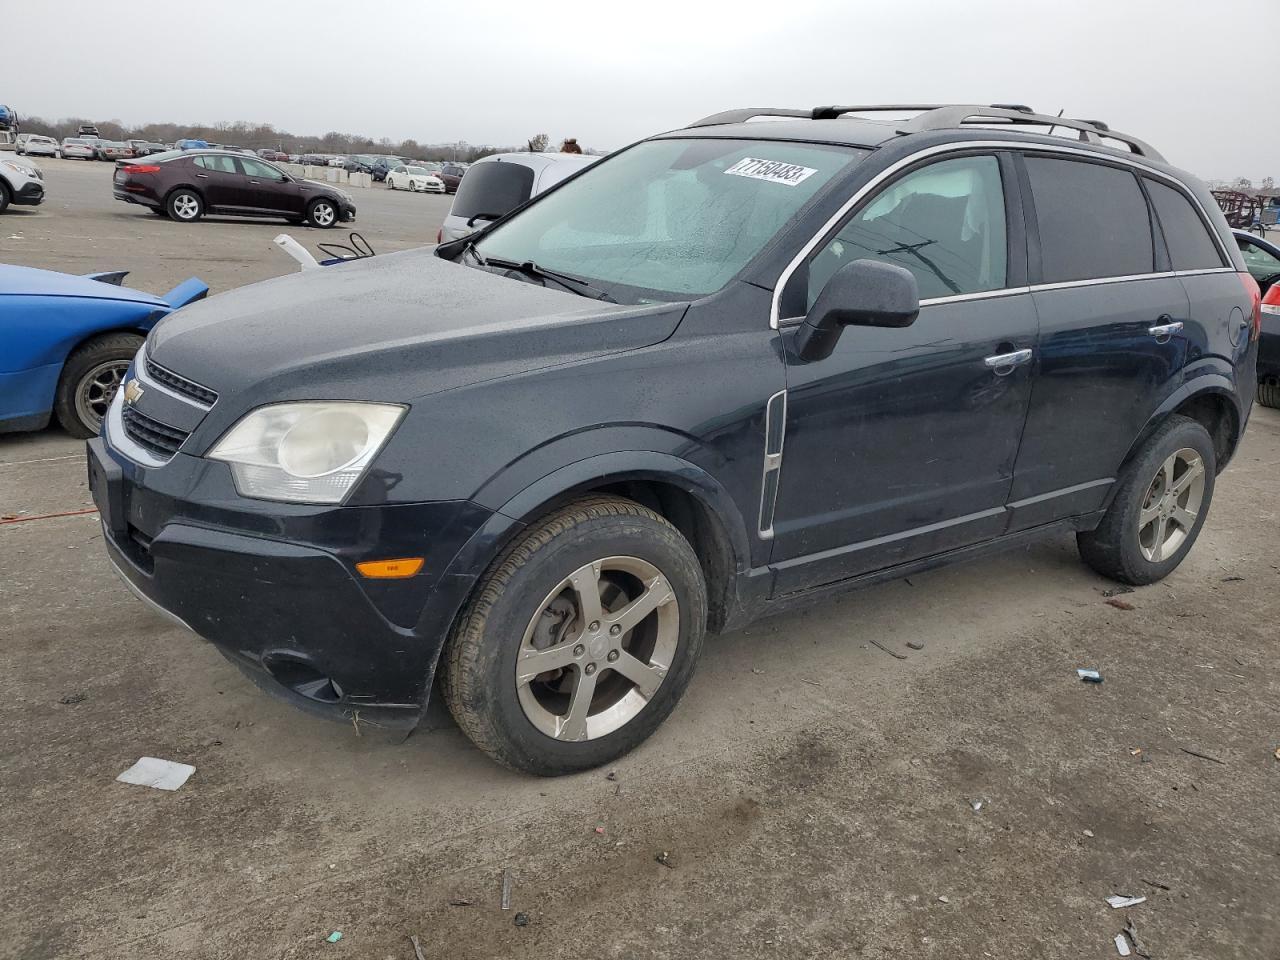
(4, 196)
(184, 205)
(1268, 390)
(391, 184)
(1122, 547)
(525, 600)
(316, 213)
(103, 360)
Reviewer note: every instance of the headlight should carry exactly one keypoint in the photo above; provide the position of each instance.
(311, 452)
(18, 167)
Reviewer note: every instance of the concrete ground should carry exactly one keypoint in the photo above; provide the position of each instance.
(815, 796)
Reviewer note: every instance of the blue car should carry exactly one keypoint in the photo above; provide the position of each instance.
(66, 342)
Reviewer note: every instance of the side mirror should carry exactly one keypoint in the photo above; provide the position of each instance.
(864, 293)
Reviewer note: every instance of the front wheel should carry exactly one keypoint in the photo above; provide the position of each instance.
(1161, 503)
(90, 378)
(579, 641)
(322, 213)
(1268, 390)
(391, 184)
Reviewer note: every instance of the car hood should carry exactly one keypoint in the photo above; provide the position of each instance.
(394, 327)
(28, 281)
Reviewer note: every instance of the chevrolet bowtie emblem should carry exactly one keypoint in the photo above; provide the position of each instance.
(132, 392)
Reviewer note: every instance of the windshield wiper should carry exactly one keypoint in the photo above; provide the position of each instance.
(531, 269)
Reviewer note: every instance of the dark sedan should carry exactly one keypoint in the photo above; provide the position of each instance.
(186, 185)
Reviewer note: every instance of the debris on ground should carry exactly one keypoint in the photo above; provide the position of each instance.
(915, 644)
(1122, 945)
(1277, 753)
(892, 653)
(1132, 933)
(812, 683)
(154, 772)
(1202, 756)
(1119, 604)
(1155, 883)
(600, 831)
(1119, 903)
(460, 902)
(756, 670)
(1232, 579)
(1088, 833)
(334, 937)
(611, 775)
(506, 889)
(1135, 751)
(944, 899)
(664, 858)
(1088, 676)
(976, 805)
(522, 919)
(417, 949)
(74, 698)
(1117, 590)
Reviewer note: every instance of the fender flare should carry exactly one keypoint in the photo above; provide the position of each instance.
(626, 465)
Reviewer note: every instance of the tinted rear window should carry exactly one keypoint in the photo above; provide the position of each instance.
(1185, 234)
(496, 188)
(1093, 220)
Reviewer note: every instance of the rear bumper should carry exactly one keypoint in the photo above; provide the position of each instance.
(275, 589)
(1269, 347)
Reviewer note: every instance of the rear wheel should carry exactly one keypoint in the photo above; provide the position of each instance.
(322, 213)
(4, 196)
(185, 205)
(1268, 390)
(580, 640)
(90, 378)
(1160, 505)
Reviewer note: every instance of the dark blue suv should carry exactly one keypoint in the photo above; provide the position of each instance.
(726, 370)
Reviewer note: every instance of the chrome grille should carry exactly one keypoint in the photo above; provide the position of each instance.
(179, 384)
(152, 435)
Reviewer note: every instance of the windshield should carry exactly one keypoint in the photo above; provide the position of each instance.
(669, 219)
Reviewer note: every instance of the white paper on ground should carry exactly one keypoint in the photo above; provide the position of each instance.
(1122, 945)
(154, 772)
(1118, 902)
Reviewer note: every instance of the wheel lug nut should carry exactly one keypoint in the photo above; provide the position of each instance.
(589, 669)
(613, 655)
(579, 650)
(615, 630)
(595, 625)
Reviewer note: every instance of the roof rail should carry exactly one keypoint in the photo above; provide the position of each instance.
(1091, 131)
(934, 116)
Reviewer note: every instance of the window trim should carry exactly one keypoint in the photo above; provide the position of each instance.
(963, 146)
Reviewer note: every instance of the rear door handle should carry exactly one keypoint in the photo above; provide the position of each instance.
(254, 182)
(202, 176)
(1004, 363)
(1162, 332)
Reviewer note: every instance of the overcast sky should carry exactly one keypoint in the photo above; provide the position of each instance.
(497, 72)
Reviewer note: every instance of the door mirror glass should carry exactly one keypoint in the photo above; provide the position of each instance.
(864, 293)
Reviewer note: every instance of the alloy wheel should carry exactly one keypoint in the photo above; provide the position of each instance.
(186, 206)
(1171, 505)
(97, 389)
(322, 214)
(598, 649)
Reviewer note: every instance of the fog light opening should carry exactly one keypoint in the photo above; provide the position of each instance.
(303, 679)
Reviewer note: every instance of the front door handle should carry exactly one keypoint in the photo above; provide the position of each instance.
(254, 182)
(202, 176)
(1003, 364)
(1163, 331)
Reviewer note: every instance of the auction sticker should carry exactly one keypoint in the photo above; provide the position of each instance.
(775, 171)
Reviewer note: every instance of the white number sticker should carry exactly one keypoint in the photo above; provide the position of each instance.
(775, 171)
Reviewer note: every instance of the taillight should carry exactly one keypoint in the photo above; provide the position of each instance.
(1255, 297)
(1270, 305)
(142, 168)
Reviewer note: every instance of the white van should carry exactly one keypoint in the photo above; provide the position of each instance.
(496, 185)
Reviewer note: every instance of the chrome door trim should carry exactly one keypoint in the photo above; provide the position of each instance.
(775, 321)
(1165, 330)
(1061, 492)
(1013, 359)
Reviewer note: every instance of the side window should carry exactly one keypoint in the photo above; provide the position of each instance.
(1185, 234)
(261, 171)
(213, 161)
(1261, 264)
(944, 222)
(1093, 219)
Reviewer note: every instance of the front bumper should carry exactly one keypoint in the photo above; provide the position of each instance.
(274, 586)
(30, 193)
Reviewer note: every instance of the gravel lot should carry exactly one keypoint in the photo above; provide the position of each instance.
(815, 795)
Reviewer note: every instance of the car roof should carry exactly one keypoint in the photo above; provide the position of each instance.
(539, 161)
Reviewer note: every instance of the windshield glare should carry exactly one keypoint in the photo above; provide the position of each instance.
(669, 219)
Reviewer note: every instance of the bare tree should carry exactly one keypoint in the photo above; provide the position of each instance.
(539, 143)
(1268, 183)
